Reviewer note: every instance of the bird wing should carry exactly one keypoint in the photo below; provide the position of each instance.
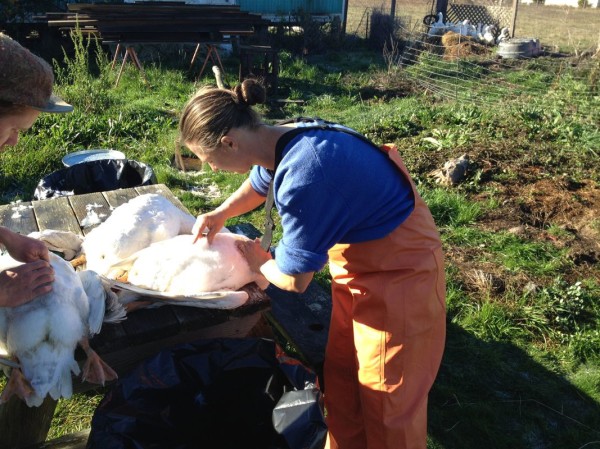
(96, 297)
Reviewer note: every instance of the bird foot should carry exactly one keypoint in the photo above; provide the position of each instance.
(17, 386)
(78, 261)
(96, 370)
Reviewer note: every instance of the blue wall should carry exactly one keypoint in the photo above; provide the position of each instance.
(289, 7)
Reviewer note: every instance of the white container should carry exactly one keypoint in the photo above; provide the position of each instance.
(519, 48)
(95, 154)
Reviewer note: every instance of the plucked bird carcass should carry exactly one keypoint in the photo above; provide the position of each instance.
(132, 226)
(41, 336)
(180, 268)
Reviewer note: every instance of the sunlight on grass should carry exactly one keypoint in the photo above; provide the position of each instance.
(75, 414)
(451, 208)
(523, 317)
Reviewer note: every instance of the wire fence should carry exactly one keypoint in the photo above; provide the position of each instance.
(563, 27)
(464, 66)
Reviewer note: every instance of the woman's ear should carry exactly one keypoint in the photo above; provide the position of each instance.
(227, 141)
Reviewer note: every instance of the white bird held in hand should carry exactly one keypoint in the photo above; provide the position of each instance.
(42, 335)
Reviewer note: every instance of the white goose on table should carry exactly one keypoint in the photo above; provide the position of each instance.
(132, 226)
(148, 242)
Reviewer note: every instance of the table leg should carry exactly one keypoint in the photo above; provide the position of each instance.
(131, 54)
(137, 63)
(209, 55)
(122, 66)
(117, 51)
(218, 58)
(195, 55)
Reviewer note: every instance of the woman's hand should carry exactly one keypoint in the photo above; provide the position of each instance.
(208, 225)
(260, 261)
(23, 283)
(243, 200)
(253, 253)
(25, 249)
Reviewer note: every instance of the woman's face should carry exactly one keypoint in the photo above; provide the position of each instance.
(224, 157)
(12, 125)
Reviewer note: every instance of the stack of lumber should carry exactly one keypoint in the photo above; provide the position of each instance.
(157, 22)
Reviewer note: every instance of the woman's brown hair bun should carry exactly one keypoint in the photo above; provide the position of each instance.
(250, 92)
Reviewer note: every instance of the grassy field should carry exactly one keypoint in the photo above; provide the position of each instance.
(521, 233)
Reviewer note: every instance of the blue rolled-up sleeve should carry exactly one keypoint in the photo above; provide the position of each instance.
(260, 179)
(295, 261)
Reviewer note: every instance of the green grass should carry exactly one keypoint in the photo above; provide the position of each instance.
(521, 367)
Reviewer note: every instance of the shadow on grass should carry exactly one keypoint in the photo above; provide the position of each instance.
(494, 395)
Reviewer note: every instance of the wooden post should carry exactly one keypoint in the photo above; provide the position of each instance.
(393, 9)
(34, 423)
(514, 18)
(345, 17)
(441, 6)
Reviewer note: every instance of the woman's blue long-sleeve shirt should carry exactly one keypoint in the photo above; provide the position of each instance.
(332, 187)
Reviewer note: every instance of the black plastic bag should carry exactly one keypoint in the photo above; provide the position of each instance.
(220, 393)
(95, 176)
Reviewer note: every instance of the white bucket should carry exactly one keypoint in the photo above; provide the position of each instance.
(519, 48)
(95, 154)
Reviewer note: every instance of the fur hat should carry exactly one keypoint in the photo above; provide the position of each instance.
(26, 79)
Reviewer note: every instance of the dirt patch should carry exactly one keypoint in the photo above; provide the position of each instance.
(558, 211)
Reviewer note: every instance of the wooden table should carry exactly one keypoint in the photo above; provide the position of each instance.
(302, 320)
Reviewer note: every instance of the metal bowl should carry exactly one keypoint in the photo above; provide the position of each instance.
(95, 154)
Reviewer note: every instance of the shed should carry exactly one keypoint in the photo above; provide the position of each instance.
(278, 10)
(284, 9)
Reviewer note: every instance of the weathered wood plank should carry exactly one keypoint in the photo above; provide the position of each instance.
(127, 358)
(86, 205)
(18, 218)
(76, 440)
(303, 320)
(56, 213)
(115, 198)
(164, 191)
(145, 325)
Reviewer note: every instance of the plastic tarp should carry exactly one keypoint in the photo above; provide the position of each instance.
(218, 393)
(95, 176)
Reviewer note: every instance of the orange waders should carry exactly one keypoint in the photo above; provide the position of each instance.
(387, 334)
